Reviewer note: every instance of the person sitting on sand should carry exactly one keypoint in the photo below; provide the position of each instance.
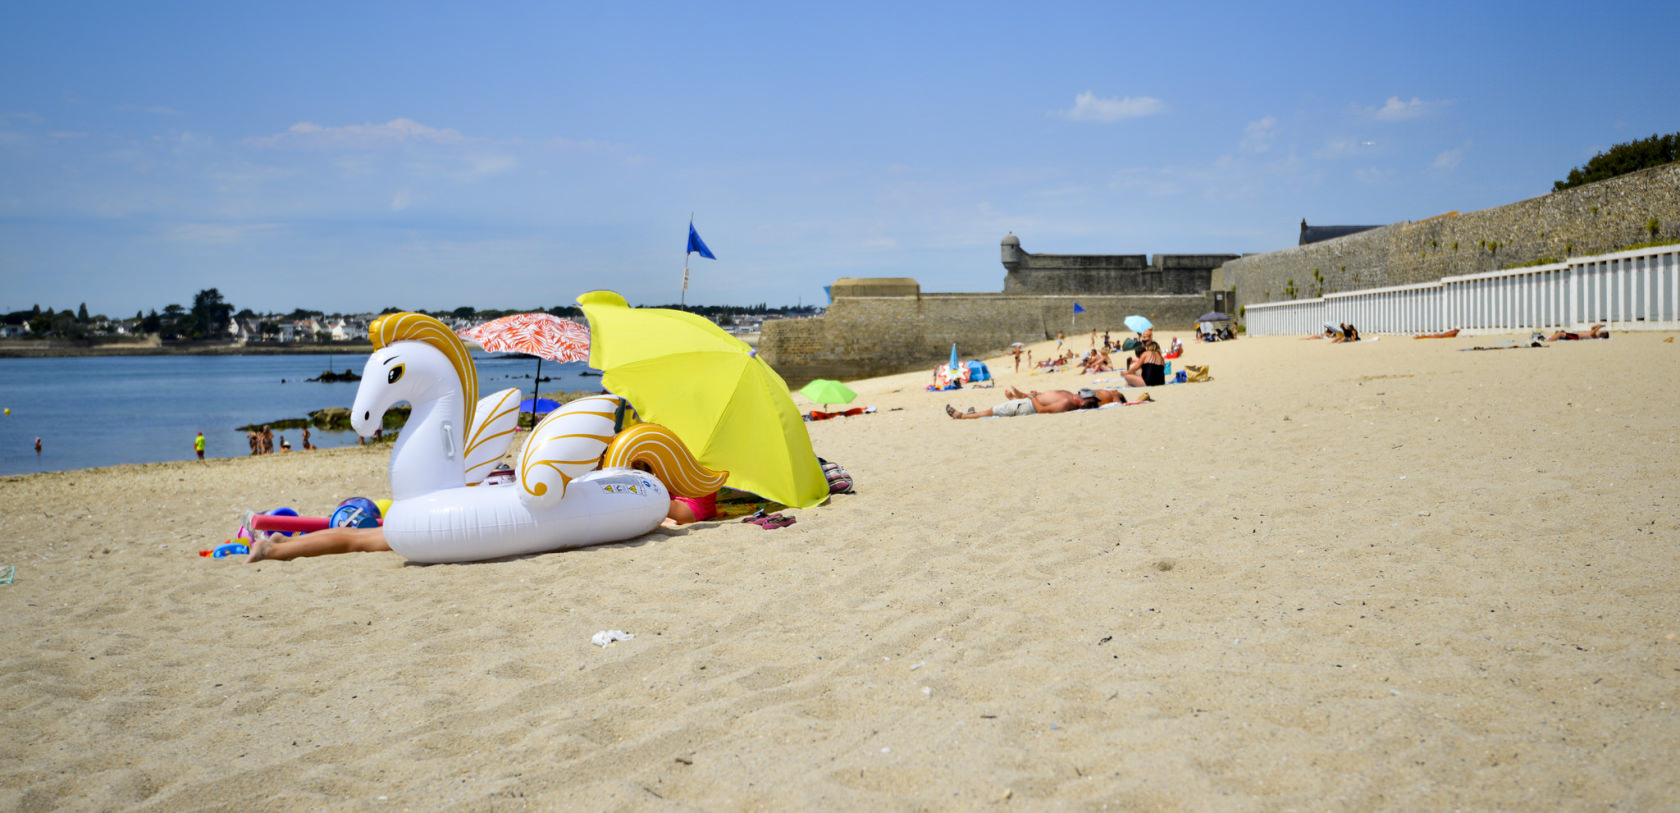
(1597, 332)
(1031, 403)
(1148, 368)
(1349, 334)
(1445, 334)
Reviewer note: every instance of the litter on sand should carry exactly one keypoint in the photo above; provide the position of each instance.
(605, 637)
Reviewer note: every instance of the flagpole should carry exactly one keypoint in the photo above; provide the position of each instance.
(683, 301)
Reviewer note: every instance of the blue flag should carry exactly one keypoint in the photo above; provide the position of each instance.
(1077, 309)
(696, 244)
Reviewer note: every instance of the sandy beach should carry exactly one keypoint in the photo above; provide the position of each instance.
(1388, 575)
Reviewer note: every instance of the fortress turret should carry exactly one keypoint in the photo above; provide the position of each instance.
(1011, 252)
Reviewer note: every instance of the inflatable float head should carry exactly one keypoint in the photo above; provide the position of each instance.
(412, 352)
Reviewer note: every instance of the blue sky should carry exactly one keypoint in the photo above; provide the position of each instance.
(355, 156)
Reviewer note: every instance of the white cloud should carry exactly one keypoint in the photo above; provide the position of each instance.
(396, 132)
(1338, 148)
(1450, 159)
(1258, 135)
(1087, 107)
(1396, 110)
(621, 153)
(483, 165)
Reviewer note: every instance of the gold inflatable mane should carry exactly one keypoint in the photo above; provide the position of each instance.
(418, 327)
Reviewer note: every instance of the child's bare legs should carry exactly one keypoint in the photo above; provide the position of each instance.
(318, 543)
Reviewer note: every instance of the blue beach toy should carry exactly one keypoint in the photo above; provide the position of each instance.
(356, 512)
(230, 549)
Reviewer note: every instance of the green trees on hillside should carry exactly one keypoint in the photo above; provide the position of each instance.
(210, 315)
(1622, 159)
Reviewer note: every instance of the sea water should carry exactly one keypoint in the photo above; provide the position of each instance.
(102, 411)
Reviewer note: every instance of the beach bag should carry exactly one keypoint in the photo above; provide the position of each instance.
(1197, 372)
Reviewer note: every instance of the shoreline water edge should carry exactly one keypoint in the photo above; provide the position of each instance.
(23, 348)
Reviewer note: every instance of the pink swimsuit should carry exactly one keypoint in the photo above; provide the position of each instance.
(704, 508)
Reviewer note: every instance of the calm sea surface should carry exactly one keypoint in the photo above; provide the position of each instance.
(144, 409)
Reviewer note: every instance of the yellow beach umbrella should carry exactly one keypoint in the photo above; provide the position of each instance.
(732, 411)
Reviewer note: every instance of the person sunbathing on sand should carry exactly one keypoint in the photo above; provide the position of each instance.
(318, 543)
(1030, 403)
(1445, 334)
(328, 541)
(1597, 332)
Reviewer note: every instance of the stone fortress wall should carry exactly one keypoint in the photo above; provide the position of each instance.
(882, 326)
(1186, 274)
(866, 336)
(1592, 219)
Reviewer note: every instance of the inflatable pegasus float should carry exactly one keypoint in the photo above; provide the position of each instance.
(580, 481)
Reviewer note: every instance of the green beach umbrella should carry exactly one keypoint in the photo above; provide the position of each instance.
(827, 391)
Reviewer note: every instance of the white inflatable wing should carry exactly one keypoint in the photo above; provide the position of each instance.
(565, 446)
(486, 522)
(492, 431)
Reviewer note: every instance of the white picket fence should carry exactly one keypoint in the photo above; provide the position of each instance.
(1628, 290)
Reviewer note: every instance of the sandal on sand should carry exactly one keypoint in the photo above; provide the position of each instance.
(756, 517)
(950, 410)
(777, 521)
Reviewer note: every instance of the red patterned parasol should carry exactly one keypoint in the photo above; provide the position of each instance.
(543, 335)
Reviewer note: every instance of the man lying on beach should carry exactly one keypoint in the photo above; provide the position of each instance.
(1597, 332)
(1030, 403)
(329, 541)
(316, 543)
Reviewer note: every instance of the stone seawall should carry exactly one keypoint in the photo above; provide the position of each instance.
(1592, 219)
(861, 337)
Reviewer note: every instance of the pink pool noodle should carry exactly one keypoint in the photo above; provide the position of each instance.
(274, 522)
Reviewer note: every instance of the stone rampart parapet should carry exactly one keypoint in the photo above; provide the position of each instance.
(1594, 219)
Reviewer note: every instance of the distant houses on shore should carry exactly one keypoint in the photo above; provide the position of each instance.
(299, 327)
